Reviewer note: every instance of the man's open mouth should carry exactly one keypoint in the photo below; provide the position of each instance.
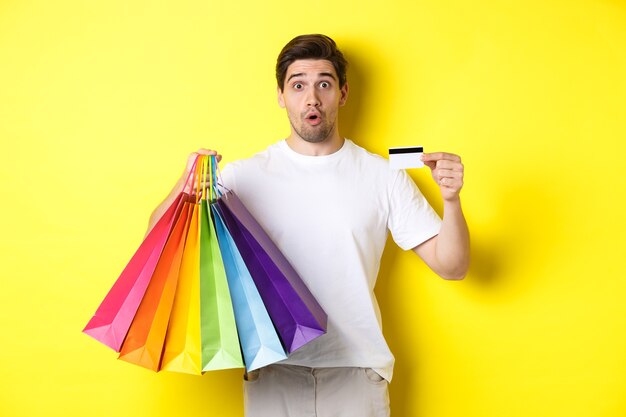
(313, 118)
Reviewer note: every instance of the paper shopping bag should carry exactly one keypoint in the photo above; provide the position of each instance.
(294, 311)
(144, 342)
(220, 342)
(260, 343)
(182, 349)
(112, 319)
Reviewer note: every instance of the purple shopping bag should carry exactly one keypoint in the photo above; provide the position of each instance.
(294, 311)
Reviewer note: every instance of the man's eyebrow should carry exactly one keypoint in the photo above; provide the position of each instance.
(321, 74)
(298, 74)
(328, 74)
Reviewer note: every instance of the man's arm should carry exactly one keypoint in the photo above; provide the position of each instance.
(178, 187)
(448, 253)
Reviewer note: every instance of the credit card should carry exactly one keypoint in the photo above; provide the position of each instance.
(406, 157)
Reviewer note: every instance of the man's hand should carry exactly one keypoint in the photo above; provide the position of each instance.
(192, 157)
(190, 160)
(182, 185)
(447, 171)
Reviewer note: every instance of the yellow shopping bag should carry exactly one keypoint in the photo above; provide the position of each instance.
(182, 352)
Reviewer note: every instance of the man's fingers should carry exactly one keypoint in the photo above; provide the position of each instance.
(451, 182)
(448, 164)
(430, 164)
(437, 156)
(218, 157)
(202, 151)
(447, 173)
(445, 164)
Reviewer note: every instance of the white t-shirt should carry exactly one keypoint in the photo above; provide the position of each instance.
(329, 215)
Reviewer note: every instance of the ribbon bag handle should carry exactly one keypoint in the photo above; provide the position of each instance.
(218, 184)
(206, 179)
(191, 176)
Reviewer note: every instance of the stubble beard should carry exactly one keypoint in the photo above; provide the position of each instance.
(313, 134)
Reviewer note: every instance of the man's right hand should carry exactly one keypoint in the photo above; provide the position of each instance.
(180, 186)
(202, 151)
(190, 160)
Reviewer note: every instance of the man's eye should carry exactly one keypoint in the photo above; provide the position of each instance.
(297, 86)
(324, 84)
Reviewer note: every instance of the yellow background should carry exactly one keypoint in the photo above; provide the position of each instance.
(102, 101)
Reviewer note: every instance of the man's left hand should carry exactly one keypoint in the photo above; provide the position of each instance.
(447, 171)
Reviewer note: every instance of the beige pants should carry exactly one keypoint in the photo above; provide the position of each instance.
(298, 391)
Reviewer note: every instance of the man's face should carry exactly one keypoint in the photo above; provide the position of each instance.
(312, 97)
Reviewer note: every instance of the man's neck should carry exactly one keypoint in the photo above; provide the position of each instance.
(327, 147)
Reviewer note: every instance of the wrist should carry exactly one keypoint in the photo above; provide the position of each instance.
(452, 201)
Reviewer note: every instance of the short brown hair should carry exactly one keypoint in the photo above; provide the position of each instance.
(315, 46)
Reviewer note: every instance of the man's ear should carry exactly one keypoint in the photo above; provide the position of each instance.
(344, 94)
(281, 99)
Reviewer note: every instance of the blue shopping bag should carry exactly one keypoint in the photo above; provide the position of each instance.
(296, 314)
(259, 340)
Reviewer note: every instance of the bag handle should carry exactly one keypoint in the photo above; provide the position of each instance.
(197, 178)
(209, 175)
(216, 179)
(196, 175)
(211, 172)
(189, 181)
(205, 178)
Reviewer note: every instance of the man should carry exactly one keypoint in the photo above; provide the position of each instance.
(328, 204)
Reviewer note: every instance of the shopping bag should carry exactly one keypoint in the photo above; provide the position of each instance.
(220, 342)
(202, 334)
(294, 311)
(188, 300)
(181, 352)
(112, 319)
(258, 338)
(144, 342)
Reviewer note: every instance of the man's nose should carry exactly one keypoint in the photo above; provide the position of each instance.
(312, 98)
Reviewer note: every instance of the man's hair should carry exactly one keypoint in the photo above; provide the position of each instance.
(314, 46)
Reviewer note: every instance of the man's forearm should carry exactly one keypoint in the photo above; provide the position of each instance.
(452, 251)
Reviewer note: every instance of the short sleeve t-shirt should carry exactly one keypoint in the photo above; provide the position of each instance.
(330, 216)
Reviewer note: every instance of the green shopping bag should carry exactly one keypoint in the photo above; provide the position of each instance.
(220, 341)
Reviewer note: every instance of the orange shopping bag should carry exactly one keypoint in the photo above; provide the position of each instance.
(144, 343)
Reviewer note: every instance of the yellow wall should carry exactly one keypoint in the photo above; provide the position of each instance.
(101, 101)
